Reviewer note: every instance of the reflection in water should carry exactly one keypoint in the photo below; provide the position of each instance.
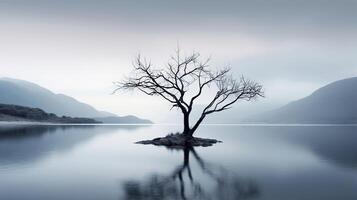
(265, 163)
(182, 183)
(21, 144)
(27, 143)
(340, 148)
(335, 144)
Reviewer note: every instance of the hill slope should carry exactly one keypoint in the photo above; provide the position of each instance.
(24, 93)
(333, 103)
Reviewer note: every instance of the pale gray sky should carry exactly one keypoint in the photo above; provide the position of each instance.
(79, 47)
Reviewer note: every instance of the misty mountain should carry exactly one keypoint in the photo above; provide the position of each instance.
(24, 93)
(333, 103)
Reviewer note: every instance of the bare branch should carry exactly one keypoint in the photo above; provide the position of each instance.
(188, 73)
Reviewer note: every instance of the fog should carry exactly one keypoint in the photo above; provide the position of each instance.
(80, 47)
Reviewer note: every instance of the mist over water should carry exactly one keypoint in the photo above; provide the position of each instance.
(253, 162)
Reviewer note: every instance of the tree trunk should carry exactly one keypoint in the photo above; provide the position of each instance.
(186, 125)
(187, 131)
(194, 128)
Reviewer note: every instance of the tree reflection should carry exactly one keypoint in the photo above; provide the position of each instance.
(213, 182)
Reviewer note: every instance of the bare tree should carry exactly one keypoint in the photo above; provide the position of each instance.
(184, 80)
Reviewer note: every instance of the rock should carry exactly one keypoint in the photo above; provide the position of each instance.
(179, 140)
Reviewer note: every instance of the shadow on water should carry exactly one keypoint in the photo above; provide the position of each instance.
(29, 143)
(182, 183)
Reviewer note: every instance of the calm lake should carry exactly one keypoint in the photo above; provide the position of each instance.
(103, 163)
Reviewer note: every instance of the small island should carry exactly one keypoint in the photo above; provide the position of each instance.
(180, 141)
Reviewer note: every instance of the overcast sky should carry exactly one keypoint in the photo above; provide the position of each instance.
(79, 47)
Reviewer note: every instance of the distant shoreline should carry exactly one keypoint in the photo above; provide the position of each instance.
(62, 124)
(24, 123)
(164, 124)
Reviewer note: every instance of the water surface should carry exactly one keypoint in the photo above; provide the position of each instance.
(253, 162)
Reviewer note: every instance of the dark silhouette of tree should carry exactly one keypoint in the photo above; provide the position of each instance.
(184, 80)
(228, 186)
